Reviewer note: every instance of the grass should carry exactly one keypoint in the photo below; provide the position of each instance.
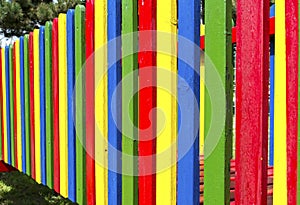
(19, 189)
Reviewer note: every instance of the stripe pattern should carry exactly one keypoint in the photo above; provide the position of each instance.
(71, 121)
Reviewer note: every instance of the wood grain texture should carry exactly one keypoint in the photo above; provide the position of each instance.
(252, 101)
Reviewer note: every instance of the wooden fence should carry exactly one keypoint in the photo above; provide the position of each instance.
(60, 124)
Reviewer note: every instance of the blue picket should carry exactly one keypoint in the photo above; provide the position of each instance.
(70, 86)
(114, 106)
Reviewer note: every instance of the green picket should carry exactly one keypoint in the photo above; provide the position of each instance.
(129, 65)
(218, 50)
(79, 104)
(11, 85)
(27, 103)
(49, 108)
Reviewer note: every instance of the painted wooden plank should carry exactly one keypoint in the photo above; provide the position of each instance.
(292, 61)
(5, 107)
(167, 138)
(1, 107)
(49, 104)
(298, 160)
(27, 103)
(55, 93)
(79, 104)
(147, 101)
(90, 103)
(31, 97)
(37, 105)
(280, 108)
(12, 106)
(70, 125)
(218, 50)
(42, 116)
(22, 105)
(252, 102)
(202, 105)
(188, 165)
(63, 111)
(129, 65)
(114, 106)
(272, 82)
(8, 99)
(18, 104)
(101, 115)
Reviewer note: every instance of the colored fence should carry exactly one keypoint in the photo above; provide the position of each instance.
(104, 103)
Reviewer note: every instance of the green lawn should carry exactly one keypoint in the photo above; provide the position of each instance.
(17, 188)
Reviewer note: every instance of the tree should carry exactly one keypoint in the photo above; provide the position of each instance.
(22, 16)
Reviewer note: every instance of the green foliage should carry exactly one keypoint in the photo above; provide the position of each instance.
(21, 16)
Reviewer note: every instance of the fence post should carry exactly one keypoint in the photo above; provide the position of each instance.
(147, 101)
(63, 110)
(2, 108)
(188, 110)
(114, 105)
(37, 105)
(129, 67)
(27, 103)
(286, 102)
(218, 52)
(166, 101)
(49, 104)
(55, 83)
(4, 105)
(70, 125)
(80, 104)
(31, 97)
(42, 116)
(22, 106)
(12, 105)
(90, 103)
(252, 77)
(101, 104)
(18, 104)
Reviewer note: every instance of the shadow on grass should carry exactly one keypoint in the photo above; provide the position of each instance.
(19, 189)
